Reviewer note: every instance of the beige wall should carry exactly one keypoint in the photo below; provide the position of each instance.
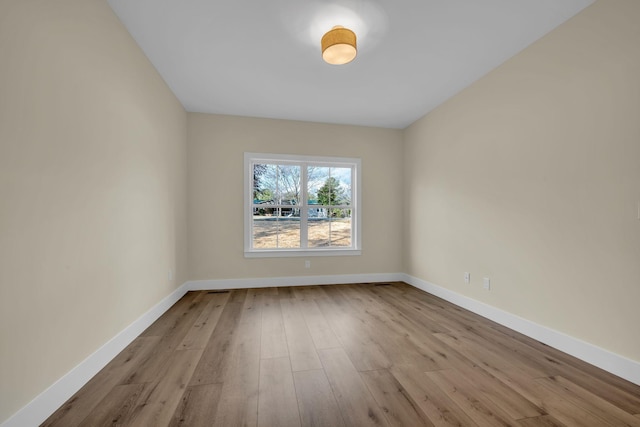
(92, 189)
(216, 147)
(531, 176)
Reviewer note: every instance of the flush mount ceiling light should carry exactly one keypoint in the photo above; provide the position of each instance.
(339, 46)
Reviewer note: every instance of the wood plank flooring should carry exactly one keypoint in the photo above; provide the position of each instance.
(342, 355)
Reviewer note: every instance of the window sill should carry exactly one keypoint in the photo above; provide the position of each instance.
(287, 253)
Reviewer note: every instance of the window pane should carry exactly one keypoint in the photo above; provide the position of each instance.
(276, 184)
(288, 185)
(340, 227)
(264, 183)
(289, 232)
(329, 186)
(265, 232)
(318, 228)
(316, 177)
(272, 232)
(341, 193)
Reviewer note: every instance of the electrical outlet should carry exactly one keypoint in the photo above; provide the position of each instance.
(307, 264)
(486, 283)
(467, 278)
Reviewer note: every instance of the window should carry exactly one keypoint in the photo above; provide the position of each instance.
(301, 205)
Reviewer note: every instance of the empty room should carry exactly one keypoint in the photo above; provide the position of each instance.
(319, 213)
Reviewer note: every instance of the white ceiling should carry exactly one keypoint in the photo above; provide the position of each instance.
(261, 58)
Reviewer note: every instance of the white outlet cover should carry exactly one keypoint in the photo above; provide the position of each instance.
(486, 282)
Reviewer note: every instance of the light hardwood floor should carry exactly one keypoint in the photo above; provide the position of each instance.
(343, 355)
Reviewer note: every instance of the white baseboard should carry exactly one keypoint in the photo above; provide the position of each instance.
(198, 285)
(40, 408)
(47, 402)
(604, 359)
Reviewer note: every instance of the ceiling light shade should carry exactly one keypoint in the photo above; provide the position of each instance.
(339, 46)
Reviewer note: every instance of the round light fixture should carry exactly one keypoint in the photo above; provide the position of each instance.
(339, 46)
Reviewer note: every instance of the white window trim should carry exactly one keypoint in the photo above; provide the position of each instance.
(356, 182)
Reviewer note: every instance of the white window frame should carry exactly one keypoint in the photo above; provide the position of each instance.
(355, 163)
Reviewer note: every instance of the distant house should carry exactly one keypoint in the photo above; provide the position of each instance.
(270, 210)
(316, 212)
